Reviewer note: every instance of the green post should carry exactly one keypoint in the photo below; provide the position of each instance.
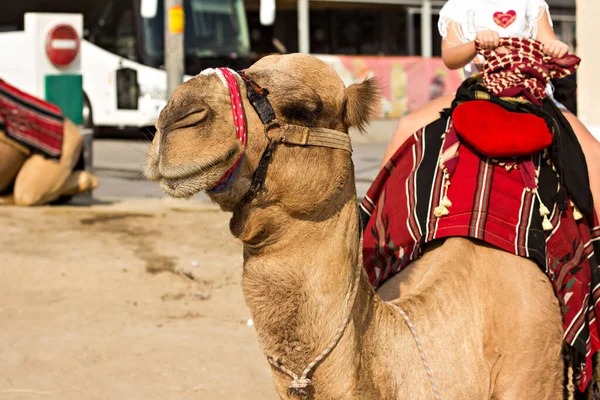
(66, 91)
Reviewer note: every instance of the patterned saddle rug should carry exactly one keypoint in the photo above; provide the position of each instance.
(31, 122)
(413, 201)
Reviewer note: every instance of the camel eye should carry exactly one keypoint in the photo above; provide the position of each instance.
(198, 117)
(303, 112)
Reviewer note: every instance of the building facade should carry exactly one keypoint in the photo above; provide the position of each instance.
(370, 27)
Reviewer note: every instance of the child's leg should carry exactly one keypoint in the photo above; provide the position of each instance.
(591, 150)
(414, 121)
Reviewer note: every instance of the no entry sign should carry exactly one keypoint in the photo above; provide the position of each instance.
(62, 45)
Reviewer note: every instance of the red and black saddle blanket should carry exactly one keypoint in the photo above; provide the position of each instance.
(414, 200)
(30, 121)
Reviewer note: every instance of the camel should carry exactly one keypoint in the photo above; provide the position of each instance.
(37, 180)
(465, 321)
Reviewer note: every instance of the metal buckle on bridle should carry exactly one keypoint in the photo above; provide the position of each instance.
(273, 124)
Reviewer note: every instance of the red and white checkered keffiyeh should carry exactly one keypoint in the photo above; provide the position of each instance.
(523, 71)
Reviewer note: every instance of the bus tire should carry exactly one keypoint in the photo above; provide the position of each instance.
(85, 158)
(88, 116)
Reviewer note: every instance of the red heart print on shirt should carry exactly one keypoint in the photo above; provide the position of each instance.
(504, 20)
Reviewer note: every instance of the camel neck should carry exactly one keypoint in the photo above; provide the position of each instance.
(298, 284)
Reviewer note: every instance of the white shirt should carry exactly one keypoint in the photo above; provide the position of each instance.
(507, 17)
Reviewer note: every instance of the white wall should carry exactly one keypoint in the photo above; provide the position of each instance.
(588, 75)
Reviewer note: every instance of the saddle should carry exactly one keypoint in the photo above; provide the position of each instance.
(30, 122)
(498, 133)
(492, 168)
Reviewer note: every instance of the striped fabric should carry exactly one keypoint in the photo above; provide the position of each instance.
(490, 202)
(523, 70)
(32, 122)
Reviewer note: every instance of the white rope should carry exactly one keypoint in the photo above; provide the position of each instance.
(413, 331)
(300, 383)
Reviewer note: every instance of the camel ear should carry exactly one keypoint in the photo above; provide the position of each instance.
(363, 100)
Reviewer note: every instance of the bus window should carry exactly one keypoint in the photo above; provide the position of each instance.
(126, 35)
(114, 29)
(213, 29)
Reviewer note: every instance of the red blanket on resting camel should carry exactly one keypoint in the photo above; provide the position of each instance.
(490, 202)
(32, 122)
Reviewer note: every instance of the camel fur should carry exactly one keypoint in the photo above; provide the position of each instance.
(489, 321)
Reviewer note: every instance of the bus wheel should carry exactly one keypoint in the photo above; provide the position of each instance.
(85, 159)
(88, 117)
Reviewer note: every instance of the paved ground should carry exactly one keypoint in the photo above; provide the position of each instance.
(135, 300)
(119, 163)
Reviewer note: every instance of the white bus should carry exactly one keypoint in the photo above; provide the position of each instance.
(122, 51)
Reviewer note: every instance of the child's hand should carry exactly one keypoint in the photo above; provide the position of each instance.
(555, 48)
(488, 39)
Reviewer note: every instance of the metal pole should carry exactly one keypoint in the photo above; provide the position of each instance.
(174, 53)
(426, 39)
(410, 32)
(303, 27)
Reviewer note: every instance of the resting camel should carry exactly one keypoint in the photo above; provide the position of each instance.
(41, 151)
(465, 321)
(37, 180)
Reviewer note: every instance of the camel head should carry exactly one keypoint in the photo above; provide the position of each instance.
(198, 146)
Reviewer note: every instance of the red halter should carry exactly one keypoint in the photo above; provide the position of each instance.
(239, 120)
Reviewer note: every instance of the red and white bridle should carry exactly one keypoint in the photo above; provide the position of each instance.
(229, 79)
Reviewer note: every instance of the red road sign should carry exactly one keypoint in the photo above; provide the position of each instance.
(62, 45)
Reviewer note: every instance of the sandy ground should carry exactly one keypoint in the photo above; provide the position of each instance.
(92, 306)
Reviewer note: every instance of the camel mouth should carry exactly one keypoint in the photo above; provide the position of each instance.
(185, 182)
(183, 188)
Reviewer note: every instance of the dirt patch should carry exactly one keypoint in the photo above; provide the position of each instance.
(125, 302)
(111, 217)
(187, 315)
(155, 263)
(138, 232)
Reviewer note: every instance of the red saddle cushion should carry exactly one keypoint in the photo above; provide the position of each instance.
(496, 132)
